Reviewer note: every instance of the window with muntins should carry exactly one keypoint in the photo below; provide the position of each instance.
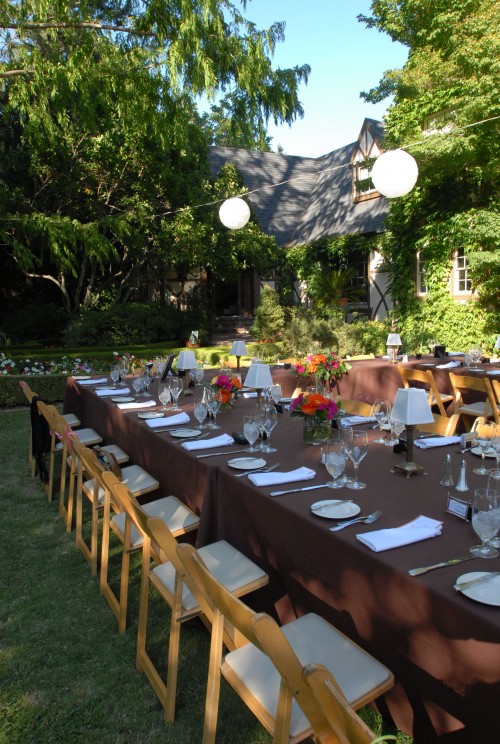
(422, 287)
(462, 283)
(362, 163)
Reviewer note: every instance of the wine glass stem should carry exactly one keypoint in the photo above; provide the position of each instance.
(356, 466)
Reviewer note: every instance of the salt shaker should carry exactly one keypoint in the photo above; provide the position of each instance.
(447, 479)
(462, 478)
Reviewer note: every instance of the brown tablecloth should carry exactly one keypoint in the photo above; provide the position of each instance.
(443, 648)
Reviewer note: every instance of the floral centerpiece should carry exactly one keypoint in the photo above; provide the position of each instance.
(318, 413)
(324, 367)
(226, 386)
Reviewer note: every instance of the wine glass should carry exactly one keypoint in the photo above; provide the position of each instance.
(381, 411)
(396, 428)
(123, 367)
(495, 443)
(357, 449)
(251, 431)
(275, 391)
(346, 433)
(476, 354)
(468, 360)
(200, 409)
(199, 374)
(175, 391)
(485, 520)
(164, 394)
(146, 380)
(483, 436)
(269, 419)
(335, 462)
(137, 384)
(114, 373)
(213, 405)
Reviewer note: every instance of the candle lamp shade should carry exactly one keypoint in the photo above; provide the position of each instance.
(393, 343)
(239, 349)
(186, 361)
(411, 407)
(497, 343)
(258, 377)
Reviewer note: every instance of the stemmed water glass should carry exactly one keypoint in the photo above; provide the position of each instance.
(137, 384)
(213, 405)
(485, 520)
(345, 437)
(200, 409)
(396, 429)
(483, 436)
(251, 430)
(335, 462)
(176, 386)
(381, 411)
(114, 373)
(468, 360)
(476, 354)
(164, 394)
(357, 448)
(269, 419)
(275, 393)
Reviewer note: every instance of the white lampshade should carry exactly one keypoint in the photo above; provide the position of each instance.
(258, 376)
(234, 213)
(497, 343)
(394, 173)
(186, 360)
(411, 407)
(239, 348)
(393, 339)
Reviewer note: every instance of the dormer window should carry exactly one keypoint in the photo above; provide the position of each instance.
(439, 123)
(362, 162)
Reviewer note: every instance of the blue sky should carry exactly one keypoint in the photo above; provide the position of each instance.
(345, 58)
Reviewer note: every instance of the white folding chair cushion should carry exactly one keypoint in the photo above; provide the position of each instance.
(233, 569)
(86, 437)
(313, 640)
(473, 409)
(136, 478)
(117, 451)
(71, 419)
(173, 512)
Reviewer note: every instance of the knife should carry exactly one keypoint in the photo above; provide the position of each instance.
(298, 490)
(467, 584)
(450, 562)
(214, 454)
(258, 470)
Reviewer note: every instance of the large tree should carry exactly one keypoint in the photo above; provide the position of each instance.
(100, 136)
(447, 101)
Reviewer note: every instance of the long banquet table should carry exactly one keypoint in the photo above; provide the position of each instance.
(443, 648)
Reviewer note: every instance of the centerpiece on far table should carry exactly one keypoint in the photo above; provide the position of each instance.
(324, 368)
(226, 386)
(318, 413)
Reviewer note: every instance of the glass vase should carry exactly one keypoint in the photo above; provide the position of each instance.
(316, 431)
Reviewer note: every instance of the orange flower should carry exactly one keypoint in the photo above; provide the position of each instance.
(225, 396)
(319, 359)
(312, 367)
(236, 382)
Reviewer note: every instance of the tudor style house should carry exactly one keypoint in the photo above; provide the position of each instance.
(299, 200)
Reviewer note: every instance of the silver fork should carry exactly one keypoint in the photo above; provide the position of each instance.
(365, 519)
(268, 469)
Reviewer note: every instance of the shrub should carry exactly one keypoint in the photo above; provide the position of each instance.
(269, 319)
(45, 322)
(131, 323)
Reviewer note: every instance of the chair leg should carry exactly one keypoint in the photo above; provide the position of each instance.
(50, 485)
(283, 715)
(104, 586)
(213, 683)
(124, 579)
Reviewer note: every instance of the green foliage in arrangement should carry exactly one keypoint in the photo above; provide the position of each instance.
(269, 321)
(449, 89)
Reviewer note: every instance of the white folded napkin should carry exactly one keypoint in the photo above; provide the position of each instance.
(276, 479)
(100, 381)
(250, 395)
(354, 420)
(431, 442)
(178, 418)
(136, 404)
(421, 528)
(223, 440)
(493, 372)
(449, 365)
(106, 392)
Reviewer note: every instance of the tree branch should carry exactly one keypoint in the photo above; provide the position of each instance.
(74, 24)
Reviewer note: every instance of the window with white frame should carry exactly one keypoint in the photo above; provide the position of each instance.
(462, 283)
(422, 287)
(362, 163)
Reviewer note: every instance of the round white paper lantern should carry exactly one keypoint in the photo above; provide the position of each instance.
(234, 213)
(395, 173)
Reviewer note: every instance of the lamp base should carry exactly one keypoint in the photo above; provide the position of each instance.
(409, 468)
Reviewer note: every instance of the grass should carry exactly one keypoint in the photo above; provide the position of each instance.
(66, 675)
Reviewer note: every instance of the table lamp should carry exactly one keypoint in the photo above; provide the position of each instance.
(393, 343)
(258, 377)
(186, 361)
(411, 407)
(239, 349)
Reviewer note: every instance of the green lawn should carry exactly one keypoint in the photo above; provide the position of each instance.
(66, 675)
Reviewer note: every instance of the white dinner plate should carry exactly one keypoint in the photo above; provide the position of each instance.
(82, 377)
(150, 414)
(123, 399)
(246, 463)
(477, 451)
(185, 433)
(335, 509)
(487, 592)
(427, 364)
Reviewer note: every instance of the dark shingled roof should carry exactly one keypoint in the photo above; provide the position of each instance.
(315, 202)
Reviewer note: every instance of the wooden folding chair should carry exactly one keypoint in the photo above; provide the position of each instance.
(138, 480)
(239, 573)
(266, 672)
(359, 357)
(444, 426)
(488, 408)
(425, 379)
(355, 407)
